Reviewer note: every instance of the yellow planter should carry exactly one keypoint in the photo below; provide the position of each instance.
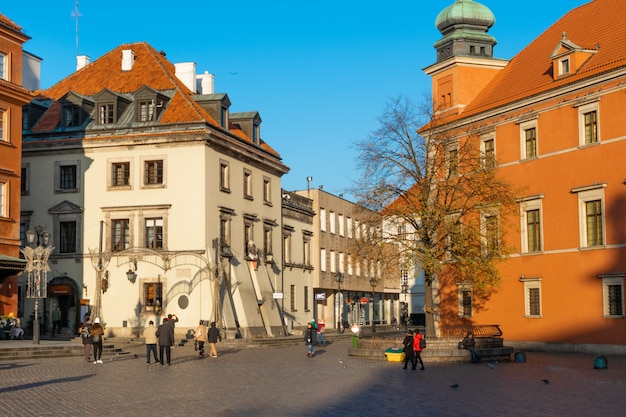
(394, 355)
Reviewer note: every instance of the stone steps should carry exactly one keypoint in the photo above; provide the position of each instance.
(50, 351)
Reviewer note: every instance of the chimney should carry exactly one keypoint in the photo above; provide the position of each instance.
(82, 61)
(205, 83)
(186, 72)
(128, 59)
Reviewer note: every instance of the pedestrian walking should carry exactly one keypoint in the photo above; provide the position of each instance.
(85, 337)
(97, 336)
(56, 320)
(213, 336)
(200, 336)
(407, 348)
(149, 334)
(165, 335)
(309, 337)
(417, 348)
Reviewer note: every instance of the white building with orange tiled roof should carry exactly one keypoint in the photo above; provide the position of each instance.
(152, 190)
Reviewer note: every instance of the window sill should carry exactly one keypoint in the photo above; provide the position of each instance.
(248, 197)
(119, 188)
(532, 317)
(66, 190)
(225, 190)
(587, 248)
(588, 145)
(613, 317)
(153, 186)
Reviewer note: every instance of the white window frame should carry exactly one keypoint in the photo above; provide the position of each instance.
(224, 176)
(4, 125)
(484, 232)
(526, 205)
(4, 198)
(523, 127)
(582, 110)
(4, 65)
(341, 225)
(483, 149)
(532, 283)
(331, 220)
(323, 219)
(341, 263)
(608, 280)
(349, 265)
(565, 66)
(349, 227)
(461, 287)
(323, 260)
(267, 191)
(586, 194)
(333, 261)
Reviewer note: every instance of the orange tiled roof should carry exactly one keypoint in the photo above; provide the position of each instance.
(600, 22)
(150, 68)
(9, 23)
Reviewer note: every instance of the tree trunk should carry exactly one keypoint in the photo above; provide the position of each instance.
(428, 309)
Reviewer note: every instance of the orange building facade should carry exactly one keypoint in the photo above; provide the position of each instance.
(553, 118)
(12, 97)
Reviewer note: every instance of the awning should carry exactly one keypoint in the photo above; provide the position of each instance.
(10, 266)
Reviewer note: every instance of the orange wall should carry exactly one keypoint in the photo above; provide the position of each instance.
(571, 292)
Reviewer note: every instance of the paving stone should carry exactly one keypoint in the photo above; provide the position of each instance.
(285, 382)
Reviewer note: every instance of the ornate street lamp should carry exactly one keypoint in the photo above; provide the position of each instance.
(373, 283)
(339, 279)
(37, 269)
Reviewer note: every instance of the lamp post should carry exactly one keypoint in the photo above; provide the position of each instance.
(373, 283)
(339, 279)
(37, 269)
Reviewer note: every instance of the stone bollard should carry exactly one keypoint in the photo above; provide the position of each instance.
(600, 362)
(520, 357)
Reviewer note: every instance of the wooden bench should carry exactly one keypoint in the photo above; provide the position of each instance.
(479, 330)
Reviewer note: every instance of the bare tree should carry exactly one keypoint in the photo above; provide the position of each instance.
(442, 198)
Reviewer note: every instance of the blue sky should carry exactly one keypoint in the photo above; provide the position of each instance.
(319, 73)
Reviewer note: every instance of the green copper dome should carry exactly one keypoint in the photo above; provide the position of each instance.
(464, 26)
(465, 12)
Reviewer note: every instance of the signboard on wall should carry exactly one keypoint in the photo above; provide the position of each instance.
(320, 296)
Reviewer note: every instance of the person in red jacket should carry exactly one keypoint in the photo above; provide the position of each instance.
(417, 356)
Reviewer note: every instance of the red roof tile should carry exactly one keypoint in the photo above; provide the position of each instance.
(600, 22)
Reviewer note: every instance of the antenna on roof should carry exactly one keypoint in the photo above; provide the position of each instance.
(76, 14)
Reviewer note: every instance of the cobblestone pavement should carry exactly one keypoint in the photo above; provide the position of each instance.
(285, 382)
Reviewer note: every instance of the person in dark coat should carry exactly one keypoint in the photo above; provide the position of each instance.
(165, 334)
(469, 343)
(213, 336)
(408, 350)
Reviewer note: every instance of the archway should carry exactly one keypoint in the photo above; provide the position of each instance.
(63, 292)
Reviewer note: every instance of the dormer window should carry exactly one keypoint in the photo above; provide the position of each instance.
(72, 115)
(567, 57)
(110, 106)
(224, 116)
(106, 114)
(564, 66)
(149, 104)
(256, 129)
(146, 111)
